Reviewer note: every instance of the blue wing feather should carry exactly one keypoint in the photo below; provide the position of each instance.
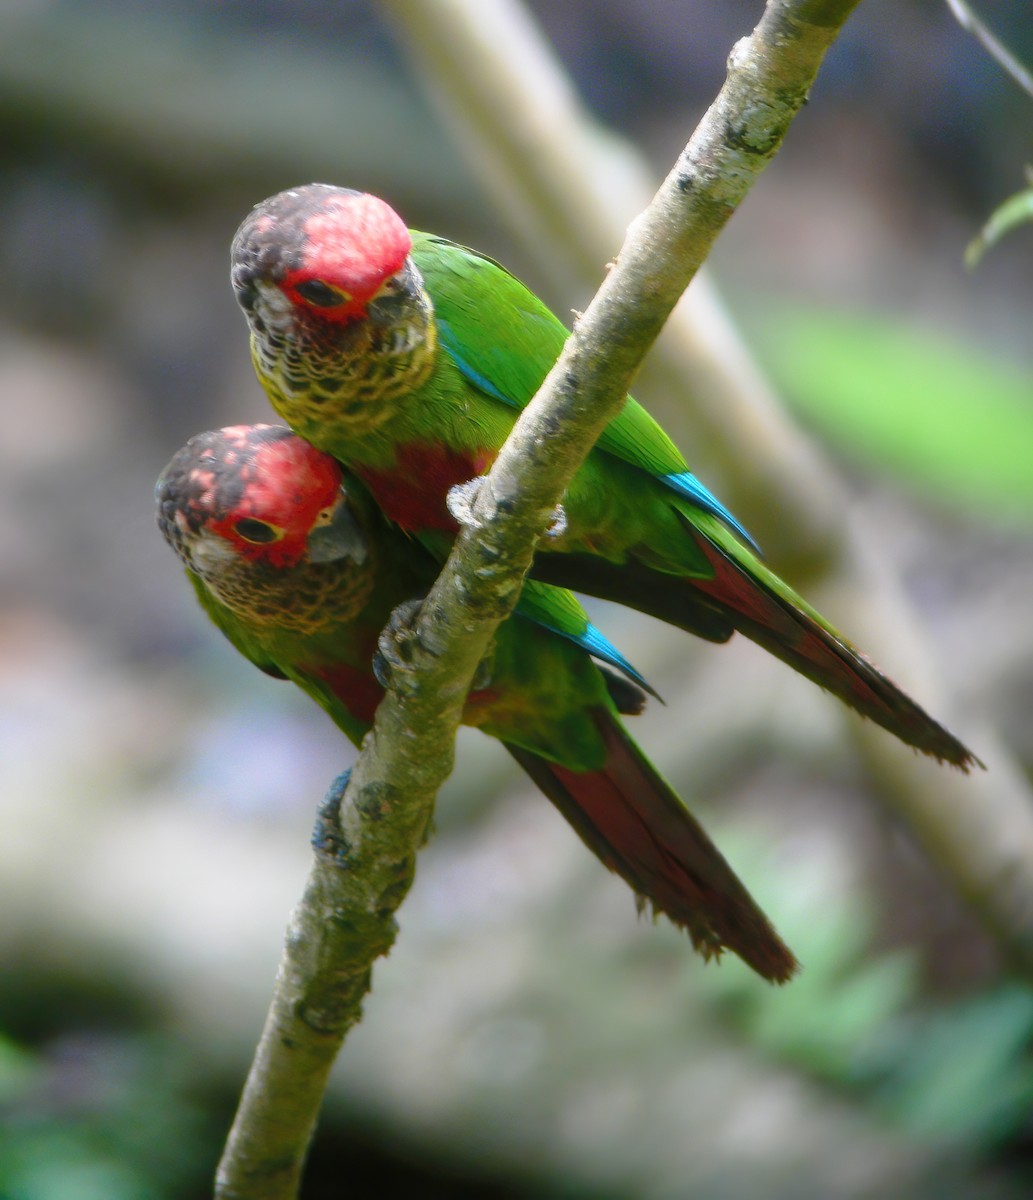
(687, 485)
(559, 610)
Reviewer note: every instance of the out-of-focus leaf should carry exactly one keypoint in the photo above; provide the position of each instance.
(844, 997)
(105, 1117)
(966, 1071)
(51, 1176)
(948, 420)
(1016, 210)
(18, 1070)
(821, 1025)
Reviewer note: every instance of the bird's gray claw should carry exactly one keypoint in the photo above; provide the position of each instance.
(461, 499)
(557, 527)
(327, 838)
(395, 645)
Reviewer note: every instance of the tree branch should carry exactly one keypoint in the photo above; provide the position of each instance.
(993, 45)
(568, 187)
(346, 917)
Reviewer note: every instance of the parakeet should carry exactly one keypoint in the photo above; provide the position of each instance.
(408, 357)
(298, 568)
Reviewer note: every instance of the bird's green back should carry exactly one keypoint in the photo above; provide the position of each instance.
(508, 341)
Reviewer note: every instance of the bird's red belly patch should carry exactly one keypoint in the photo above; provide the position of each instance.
(356, 688)
(412, 492)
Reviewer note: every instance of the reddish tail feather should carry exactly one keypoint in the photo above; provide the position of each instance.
(735, 600)
(635, 824)
(797, 639)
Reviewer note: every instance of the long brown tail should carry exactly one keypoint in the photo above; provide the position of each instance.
(635, 824)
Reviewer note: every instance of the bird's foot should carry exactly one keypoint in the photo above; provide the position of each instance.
(396, 644)
(327, 837)
(557, 527)
(461, 499)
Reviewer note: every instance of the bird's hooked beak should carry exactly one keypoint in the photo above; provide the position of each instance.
(337, 536)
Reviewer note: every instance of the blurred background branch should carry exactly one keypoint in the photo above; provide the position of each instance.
(997, 50)
(543, 160)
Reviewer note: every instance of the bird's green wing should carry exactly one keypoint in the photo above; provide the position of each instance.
(558, 610)
(504, 340)
(509, 358)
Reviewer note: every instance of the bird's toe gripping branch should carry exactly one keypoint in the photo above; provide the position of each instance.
(462, 497)
(557, 527)
(394, 654)
(327, 838)
(395, 646)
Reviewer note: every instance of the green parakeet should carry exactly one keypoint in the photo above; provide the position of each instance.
(298, 568)
(407, 357)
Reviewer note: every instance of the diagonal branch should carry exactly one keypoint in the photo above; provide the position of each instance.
(993, 45)
(567, 186)
(346, 917)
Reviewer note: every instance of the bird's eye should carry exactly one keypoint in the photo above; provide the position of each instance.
(322, 295)
(259, 533)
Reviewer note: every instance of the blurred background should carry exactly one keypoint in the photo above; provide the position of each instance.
(529, 1035)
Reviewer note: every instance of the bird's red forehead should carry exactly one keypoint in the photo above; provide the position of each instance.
(291, 482)
(261, 471)
(355, 242)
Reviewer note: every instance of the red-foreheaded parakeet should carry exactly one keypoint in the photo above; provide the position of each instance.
(408, 357)
(299, 569)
